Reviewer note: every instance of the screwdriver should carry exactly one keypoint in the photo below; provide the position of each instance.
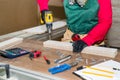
(47, 61)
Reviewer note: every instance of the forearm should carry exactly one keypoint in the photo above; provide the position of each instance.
(43, 4)
(98, 33)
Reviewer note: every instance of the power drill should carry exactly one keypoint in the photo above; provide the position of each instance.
(48, 20)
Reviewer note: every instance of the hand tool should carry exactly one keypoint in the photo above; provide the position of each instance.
(47, 61)
(116, 69)
(61, 55)
(34, 54)
(13, 52)
(62, 67)
(61, 60)
(48, 19)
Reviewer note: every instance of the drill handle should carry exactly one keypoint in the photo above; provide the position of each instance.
(46, 17)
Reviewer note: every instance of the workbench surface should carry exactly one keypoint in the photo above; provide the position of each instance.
(39, 64)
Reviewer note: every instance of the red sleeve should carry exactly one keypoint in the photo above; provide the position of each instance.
(43, 4)
(98, 33)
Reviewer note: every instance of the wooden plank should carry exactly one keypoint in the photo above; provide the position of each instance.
(34, 30)
(42, 28)
(11, 42)
(13, 34)
(94, 50)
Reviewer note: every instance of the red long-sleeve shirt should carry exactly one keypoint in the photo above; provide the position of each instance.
(43, 4)
(98, 33)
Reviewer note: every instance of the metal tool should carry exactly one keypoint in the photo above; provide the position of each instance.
(62, 67)
(72, 64)
(61, 55)
(61, 60)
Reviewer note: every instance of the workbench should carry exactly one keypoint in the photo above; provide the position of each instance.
(39, 64)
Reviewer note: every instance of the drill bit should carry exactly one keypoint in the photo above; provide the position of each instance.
(49, 30)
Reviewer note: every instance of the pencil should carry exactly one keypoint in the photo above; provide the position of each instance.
(92, 73)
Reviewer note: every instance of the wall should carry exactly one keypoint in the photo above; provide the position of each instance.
(114, 33)
(17, 14)
(56, 6)
(20, 14)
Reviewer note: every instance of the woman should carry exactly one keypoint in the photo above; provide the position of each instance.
(90, 18)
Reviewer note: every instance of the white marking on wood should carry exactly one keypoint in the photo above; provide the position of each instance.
(94, 50)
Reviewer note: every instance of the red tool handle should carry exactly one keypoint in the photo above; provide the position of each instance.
(47, 61)
(75, 37)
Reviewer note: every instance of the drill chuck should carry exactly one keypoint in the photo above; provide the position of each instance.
(49, 28)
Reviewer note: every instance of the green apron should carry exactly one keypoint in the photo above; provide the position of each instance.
(81, 20)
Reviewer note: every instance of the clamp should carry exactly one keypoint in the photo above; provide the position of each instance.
(34, 54)
(75, 37)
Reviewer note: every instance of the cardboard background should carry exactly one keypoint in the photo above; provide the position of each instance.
(17, 14)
